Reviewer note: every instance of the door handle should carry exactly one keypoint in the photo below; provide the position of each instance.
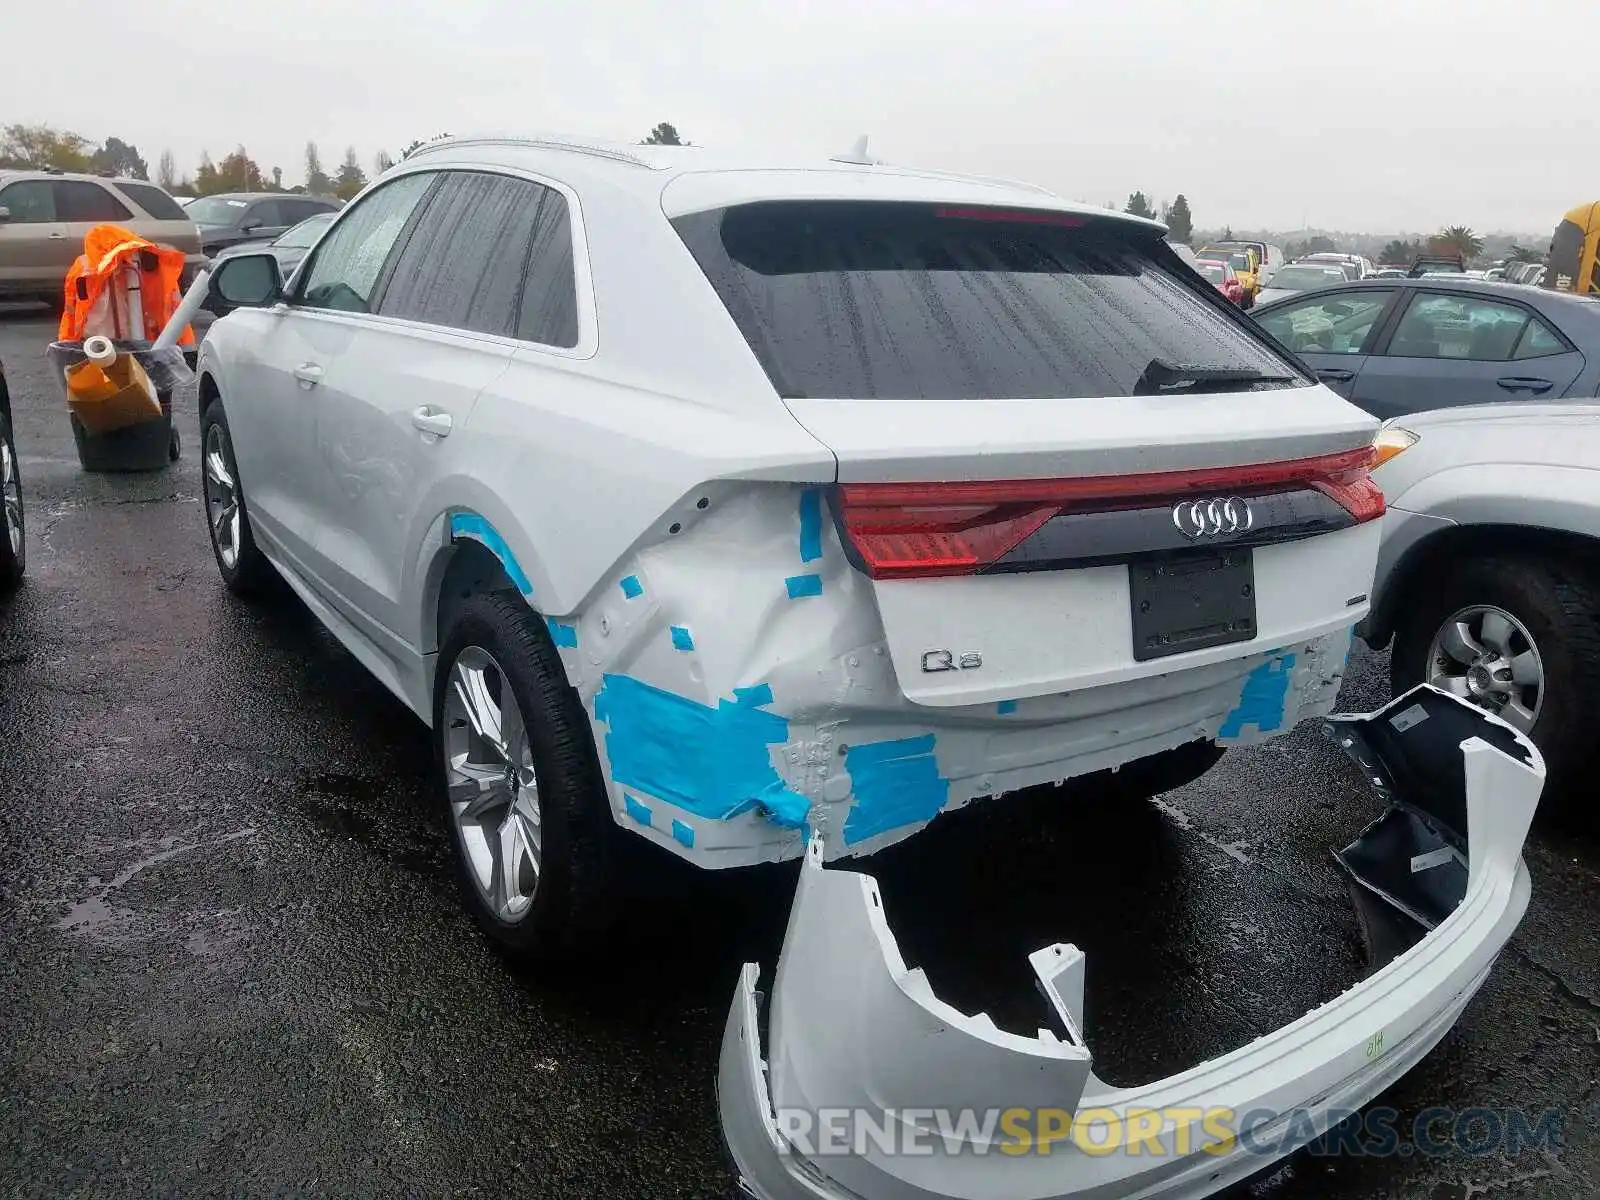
(58, 237)
(1524, 383)
(1336, 375)
(309, 374)
(432, 420)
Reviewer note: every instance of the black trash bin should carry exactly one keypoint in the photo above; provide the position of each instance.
(145, 447)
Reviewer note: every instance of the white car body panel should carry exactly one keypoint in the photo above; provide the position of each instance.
(866, 1075)
(649, 494)
(1536, 466)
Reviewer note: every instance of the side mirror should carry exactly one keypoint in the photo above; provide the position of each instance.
(5, 214)
(244, 281)
(250, 224)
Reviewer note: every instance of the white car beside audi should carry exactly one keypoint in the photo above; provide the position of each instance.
(749, 507)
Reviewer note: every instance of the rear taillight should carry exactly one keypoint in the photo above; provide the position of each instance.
(924, 530)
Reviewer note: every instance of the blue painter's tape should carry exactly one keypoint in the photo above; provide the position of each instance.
(786, 808)
(1262, 698)
(561, 634)
(631, 586)
(682, 639)
(755, 696)
(638, 811)
(471, 525)
(1006, 706)
(810, 525)
(896, 783)
(803, 585)
(682, 834)
(712, 762)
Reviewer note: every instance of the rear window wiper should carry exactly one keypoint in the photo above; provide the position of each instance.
(1162, 376)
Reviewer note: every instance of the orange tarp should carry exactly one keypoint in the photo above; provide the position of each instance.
(108, 252)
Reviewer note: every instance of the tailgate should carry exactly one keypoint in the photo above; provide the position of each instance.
(1064, 461)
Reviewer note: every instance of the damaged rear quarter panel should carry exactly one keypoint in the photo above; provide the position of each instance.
(735, 713)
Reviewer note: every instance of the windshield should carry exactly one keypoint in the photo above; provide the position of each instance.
(881, 301)
(215, 210)
(1215, 272)
(306, 233)
(1298, 279)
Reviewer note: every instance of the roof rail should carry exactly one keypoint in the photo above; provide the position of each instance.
(573, 146)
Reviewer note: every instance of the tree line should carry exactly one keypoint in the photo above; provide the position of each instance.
(43, 147)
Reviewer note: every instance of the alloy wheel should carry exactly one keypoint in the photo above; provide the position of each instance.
(1485, 655)
(11, 497)
(222, 495)
(492, 786)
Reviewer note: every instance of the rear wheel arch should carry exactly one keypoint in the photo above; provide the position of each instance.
(462, 569)
(1436, 552)
(208, 391)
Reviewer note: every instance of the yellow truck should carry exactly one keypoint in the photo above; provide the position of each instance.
(1574, 262)
(1245, 261)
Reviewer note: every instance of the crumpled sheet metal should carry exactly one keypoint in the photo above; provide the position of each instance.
(852, 1028)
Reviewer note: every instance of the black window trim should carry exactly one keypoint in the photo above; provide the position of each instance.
(1412, 293)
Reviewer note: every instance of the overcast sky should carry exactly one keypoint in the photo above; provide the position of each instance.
(1370, 115)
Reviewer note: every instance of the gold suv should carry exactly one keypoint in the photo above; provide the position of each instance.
(45, 214)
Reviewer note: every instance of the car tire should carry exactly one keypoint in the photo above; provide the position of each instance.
(538, 854)
(245, 570)
(1557, 608)
(13, 520)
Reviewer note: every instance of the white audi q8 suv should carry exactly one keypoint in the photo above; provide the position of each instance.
(724, 503)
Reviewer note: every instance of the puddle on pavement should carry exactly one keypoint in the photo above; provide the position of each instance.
(98, 918)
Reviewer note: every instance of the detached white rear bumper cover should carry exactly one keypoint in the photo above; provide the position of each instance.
(863, 1055)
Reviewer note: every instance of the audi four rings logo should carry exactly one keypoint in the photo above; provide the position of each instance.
(1216, 517)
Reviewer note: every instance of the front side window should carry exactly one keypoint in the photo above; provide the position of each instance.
(879, 300)
(29, 201)
(264, 213)
(461, 266)
(346, 263)
(1328, 324)
(1458, 326)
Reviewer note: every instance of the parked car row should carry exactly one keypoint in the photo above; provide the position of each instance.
(1398, 346)
(44, 216)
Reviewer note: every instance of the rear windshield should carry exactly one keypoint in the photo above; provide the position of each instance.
(858, 301)
(1301, 278)
(1215, 272)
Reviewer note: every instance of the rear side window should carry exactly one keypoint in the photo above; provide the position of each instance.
(463, 265)
(548, 313)
(295, 211)
(78, 201)
(843, 300)
(153, 200)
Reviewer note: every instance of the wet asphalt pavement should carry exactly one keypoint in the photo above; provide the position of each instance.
(232, 960)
